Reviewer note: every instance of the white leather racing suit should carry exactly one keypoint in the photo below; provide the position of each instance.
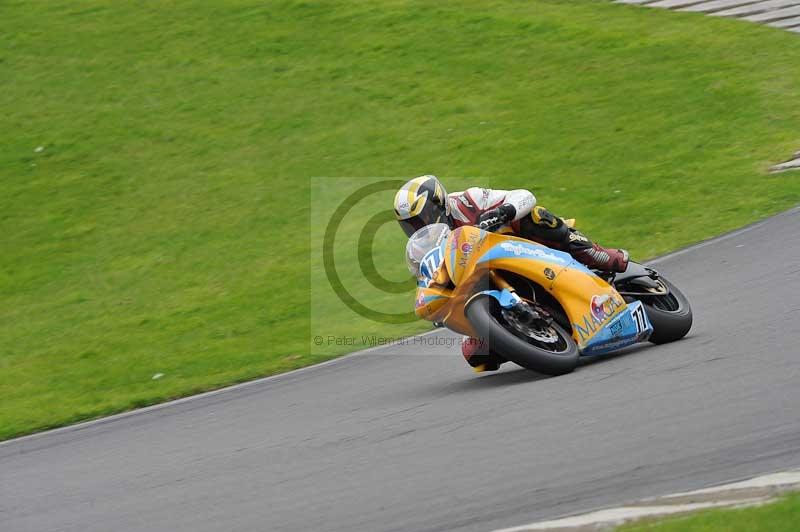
(467, 206)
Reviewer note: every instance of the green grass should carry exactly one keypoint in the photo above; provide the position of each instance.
(167, 225)
(775, 517)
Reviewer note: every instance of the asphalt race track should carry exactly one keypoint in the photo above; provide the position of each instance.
(408, 439)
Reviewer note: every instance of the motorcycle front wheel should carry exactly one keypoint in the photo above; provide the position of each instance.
(541, 345)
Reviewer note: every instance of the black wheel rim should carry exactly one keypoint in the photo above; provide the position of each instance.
(667, 303)
(663, 302)
(534, 333)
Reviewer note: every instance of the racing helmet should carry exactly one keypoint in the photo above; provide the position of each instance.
(420, 202)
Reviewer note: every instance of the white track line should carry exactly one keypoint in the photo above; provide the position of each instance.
(784, 478)
(614, 516)
(735, 494)
(218, 391)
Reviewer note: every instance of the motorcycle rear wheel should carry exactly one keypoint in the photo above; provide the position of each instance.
(670, 314)
(557, 358)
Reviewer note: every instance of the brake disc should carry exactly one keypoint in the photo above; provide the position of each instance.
(538, 329)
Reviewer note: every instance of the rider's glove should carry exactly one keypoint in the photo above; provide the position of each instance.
(496, 217)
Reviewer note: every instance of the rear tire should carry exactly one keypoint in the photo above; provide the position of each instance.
(670, 315)
(484, 315)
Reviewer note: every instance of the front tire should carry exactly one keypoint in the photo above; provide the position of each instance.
(486, 317)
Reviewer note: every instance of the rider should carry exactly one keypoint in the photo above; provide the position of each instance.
(424, 200)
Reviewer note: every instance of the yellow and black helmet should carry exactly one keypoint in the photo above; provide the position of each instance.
(420, 202)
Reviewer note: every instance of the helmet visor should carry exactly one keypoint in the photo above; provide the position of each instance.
(431, 215)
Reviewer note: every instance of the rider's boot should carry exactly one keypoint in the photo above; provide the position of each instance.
(550, 230)
(595, 256)
(477, 355)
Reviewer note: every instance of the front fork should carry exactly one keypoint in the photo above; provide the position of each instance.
(498, 281)
(504, 293)
(523, 311)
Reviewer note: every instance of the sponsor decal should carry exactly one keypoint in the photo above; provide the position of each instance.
(577, 236)
(601, 308)
(463, 199)
(530, 251)
(490, 222)
(420, 300)
(549, 273)
(598, 308)
(616, 328)
(467, 248)
(455, 236)
(608, 346)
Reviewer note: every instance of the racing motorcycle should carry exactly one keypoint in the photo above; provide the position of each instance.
(534, 305)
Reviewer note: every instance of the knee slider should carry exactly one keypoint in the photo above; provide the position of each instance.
(543, 217)
(548, 226)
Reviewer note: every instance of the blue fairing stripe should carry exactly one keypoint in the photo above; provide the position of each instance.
(620, 332)
(523, 250)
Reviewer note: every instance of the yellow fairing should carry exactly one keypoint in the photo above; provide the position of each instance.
(430, 300)
(571, 288)
(588, 301)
